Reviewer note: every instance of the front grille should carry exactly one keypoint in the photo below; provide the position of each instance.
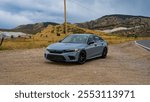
(56, 51)
(55, 57)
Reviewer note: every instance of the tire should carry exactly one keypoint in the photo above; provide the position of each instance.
(105, 51)
(82, 57)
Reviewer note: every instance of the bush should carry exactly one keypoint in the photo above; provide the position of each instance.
(11, 36)
(58, 34)
(132, 35)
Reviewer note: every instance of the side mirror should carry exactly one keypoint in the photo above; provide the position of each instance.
(59, 41)
(91, 42)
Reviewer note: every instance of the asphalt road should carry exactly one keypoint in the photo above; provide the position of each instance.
(144, 43)
(126, 63)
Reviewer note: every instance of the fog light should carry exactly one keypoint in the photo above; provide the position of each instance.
(71, 57)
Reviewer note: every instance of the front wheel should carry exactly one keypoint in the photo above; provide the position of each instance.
(82, 57)
(105, 51)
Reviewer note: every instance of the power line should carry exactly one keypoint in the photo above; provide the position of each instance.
(79, 4)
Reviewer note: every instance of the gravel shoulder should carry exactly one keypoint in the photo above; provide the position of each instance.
(126, 64)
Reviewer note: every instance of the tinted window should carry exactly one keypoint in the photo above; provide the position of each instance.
(75, 39)
(97, 38)
(91, 39)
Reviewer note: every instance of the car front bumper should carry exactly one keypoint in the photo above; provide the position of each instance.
(63, 57)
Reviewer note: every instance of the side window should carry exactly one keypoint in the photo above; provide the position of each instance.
(100, 38)
(91, 39)
(97, 38)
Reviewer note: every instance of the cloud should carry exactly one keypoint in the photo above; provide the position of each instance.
(16, 12)
(93, 9)
(10, 20)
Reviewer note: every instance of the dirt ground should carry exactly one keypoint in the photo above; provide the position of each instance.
(126, 64)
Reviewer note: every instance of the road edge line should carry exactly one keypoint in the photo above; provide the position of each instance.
(147, 48)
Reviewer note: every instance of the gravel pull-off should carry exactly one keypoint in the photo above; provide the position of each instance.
(126, 64)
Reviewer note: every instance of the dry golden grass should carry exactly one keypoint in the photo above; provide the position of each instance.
(22, 44)
(120, 39)
(55, 33)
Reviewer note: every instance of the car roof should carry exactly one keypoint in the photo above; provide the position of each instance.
(84, 34)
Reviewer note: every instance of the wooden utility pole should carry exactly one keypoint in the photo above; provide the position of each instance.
(65, 18)
(2, 39)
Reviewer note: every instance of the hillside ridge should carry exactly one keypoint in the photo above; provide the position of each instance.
(138, 25)
(31, 28)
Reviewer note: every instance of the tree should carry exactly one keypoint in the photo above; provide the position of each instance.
(11, 36)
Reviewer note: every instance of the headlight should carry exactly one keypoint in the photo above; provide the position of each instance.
(70, 50)
(46, 51)
(77, 50)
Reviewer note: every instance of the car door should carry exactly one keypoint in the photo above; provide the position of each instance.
(99, 45)
(91, 47)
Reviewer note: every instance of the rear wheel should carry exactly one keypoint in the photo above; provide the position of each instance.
(105, 51)
(82, 57)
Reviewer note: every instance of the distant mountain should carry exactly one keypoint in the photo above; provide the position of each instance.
(120, 24)
(126, 25)
(31, 28)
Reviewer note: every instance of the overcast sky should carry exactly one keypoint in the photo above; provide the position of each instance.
(18, 12)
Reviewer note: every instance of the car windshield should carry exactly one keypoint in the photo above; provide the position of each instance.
(75, 39)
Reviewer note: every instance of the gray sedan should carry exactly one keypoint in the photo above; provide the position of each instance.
(77, 48)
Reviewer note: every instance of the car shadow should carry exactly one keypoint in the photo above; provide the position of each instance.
(97, 58)
(74, 63)
(62, 63)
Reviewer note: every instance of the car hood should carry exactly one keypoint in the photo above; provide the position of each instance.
(64, 46)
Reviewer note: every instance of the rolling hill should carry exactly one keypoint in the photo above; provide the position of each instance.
(55, 33)
(30, 28)
(52, 34)
(124, 25)
(120, 24)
